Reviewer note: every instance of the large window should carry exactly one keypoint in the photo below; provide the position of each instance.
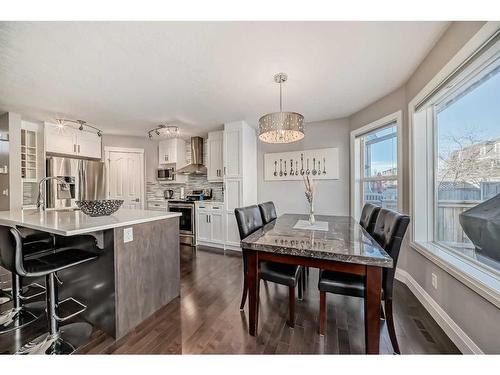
(375, 164)
(467, 165)
(456, 164)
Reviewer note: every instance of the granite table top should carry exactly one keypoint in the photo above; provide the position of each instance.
(344, 241)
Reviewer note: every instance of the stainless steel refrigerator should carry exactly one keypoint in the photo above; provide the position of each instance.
(86, 180)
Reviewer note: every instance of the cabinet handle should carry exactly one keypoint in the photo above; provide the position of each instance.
(74, 148)
(224, 171)
(209, 218)
(78, 148)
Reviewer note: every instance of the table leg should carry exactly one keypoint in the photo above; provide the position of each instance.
(253, 291)
(372, 309)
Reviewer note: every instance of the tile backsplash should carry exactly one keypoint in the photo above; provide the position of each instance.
(154, 190)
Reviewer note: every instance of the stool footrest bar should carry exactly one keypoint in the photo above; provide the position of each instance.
(71, 308)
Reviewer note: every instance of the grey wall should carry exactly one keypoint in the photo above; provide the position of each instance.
(332, 195)
(477, 317)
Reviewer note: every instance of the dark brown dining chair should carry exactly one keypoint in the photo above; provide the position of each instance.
(249, 220)
(388, 231)
(369, 217)
(267, 212)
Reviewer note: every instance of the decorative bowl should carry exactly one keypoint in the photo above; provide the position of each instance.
(104, 207)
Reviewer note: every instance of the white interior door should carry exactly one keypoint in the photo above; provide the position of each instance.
(124, 179)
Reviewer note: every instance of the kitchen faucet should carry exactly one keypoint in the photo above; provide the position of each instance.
(40, 202)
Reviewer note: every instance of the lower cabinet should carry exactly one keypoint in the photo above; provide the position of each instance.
(210, 224)
(203, 229)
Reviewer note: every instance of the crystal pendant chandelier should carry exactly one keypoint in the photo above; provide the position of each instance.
(281, 127)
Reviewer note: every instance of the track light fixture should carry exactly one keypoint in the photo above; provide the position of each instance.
(164, 131)
(62, 122)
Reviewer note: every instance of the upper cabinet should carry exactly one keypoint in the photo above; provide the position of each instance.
(172, 151)
(70, 141)
(233, 152)
(215, 160)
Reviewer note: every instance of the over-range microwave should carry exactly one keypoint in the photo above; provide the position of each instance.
(165, 174)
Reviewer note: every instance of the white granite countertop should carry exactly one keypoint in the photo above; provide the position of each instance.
(72, 222)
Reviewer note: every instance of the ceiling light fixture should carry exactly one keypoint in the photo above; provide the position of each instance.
(281, 127)
(164, 131)
(62, 122)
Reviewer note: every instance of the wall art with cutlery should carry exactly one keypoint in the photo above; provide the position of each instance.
(319, 164)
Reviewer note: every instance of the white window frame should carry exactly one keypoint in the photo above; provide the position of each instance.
(481, 279)
(357, 161)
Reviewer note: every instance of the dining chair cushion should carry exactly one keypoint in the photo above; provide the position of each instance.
(369, 217)
(280, 273)
(249, 220)
(341, 283)
(268, 212)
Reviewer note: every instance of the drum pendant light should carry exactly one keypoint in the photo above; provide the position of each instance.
(281, 127)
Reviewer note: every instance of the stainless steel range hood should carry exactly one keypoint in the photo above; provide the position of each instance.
(196, 166)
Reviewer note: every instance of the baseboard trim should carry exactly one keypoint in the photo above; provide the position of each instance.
(463, 342)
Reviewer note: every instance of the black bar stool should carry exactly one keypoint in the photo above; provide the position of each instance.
(33, 242)
(11, 256)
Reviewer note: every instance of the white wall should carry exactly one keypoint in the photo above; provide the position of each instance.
(332, 195)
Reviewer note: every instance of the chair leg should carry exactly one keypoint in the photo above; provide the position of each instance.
(322, 313)
(305, 274)
(291, 306)
(245, 286)
(382, 314)
(244, 295)
(300, 286)
(390, 325)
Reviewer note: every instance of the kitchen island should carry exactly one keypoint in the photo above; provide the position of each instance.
(137, 271)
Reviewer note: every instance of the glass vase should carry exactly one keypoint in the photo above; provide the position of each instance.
(312, 219)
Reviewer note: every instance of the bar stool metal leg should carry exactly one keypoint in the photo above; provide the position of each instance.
(53, 342)
(17, 316)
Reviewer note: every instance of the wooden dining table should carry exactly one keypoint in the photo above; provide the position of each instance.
(334, 243)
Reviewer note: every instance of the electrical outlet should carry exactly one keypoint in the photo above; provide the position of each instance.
(434, 281)
(128, 235)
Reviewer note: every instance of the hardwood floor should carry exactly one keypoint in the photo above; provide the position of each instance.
(206, 319)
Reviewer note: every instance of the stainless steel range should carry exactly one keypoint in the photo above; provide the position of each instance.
(187, 223)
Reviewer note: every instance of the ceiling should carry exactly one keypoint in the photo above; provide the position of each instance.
(127, 77)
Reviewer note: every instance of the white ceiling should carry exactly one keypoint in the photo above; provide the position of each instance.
(128, 76)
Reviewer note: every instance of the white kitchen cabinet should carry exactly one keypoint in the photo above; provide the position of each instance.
(215, 159)
(60, 140)
(217, 225)
(233, 152)
(172, 151)
(232, 194)
(157, 205)
(88, 144)
(240, 176)
(232, 232)
(210, 223)
(70, 141)
(203, 229)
